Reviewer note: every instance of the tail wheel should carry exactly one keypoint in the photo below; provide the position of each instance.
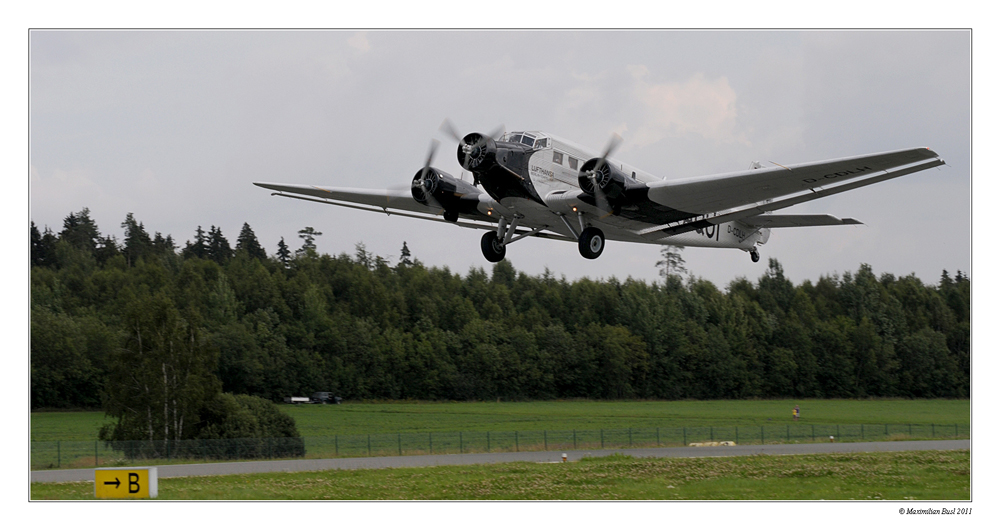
(591, 242)
(493, 249)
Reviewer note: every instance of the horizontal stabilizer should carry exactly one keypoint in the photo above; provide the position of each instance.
(779, 220)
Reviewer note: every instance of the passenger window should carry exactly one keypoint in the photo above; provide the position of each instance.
(557, 157)
(572, 162)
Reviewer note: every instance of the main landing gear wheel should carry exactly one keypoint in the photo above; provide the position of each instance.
(493, 249)
(754, 255)
(591, 242)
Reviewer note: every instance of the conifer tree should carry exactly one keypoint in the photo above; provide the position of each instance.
(284, 255)
(199, 248)
(137, 241)
(404, 256)
(164, 245)
(308, 235)
(80, 231)
(43, 247)
(248, 242)
(219, 250)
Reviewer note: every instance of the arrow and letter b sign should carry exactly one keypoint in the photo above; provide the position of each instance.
(125, 483)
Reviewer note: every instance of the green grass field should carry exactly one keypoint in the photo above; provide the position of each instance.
(409, 417)
(918, 475)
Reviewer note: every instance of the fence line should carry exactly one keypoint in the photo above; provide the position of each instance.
(56, 454)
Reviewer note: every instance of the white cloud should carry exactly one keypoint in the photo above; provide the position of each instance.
(697, 105)
(359, 41)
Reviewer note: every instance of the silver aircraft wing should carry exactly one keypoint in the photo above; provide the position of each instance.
(392, 202)
(388, 198)
(705, 201)
(702, 195)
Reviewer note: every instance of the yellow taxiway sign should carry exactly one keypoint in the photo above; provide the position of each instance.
(125, 483)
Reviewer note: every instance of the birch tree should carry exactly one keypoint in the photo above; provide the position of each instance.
(161, 376)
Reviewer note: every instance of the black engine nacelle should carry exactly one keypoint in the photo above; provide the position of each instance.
(612, 182)
(435, 188)
(477, 152)
(430, 185)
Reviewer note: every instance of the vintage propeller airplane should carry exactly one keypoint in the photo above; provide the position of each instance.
(531, 183)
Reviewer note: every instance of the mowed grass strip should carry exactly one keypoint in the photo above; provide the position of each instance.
(403, 417)
(918, 475)
(362, 418)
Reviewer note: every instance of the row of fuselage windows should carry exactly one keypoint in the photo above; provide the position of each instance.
(557, 158)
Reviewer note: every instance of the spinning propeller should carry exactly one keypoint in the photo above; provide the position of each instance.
(601, 199)
(471, 147)
(425, 182)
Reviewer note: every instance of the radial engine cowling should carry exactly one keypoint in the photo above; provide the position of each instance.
(611, 181)
(477, 152)
(433, 187)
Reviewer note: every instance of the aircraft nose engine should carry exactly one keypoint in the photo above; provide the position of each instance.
(477, 152)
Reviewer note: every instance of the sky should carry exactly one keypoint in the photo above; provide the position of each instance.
(174, 126)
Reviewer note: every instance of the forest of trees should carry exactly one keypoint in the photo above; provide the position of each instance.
(205, 317)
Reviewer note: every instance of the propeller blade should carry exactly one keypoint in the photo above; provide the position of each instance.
(497, 131)
(612, 146)
(602, 200)
(430, 158)
(448, 128)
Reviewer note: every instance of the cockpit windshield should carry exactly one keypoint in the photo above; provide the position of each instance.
(529, 140)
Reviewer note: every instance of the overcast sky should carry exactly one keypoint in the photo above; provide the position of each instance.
(174, 126)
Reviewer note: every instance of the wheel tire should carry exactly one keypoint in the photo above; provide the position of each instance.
(493, 249)
(451, 217)
(754, 256)
(591, 242)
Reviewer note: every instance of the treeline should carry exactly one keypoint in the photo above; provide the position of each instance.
(298, 322)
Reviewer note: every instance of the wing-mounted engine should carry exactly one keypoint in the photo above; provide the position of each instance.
(435, 188)
(599, 178)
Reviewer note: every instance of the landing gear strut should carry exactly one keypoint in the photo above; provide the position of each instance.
(754, 255)
(494, 244)
(591, 242)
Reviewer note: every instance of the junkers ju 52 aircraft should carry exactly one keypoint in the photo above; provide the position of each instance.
(531, 183)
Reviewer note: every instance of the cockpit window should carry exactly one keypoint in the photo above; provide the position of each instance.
(528, 141)
(541, 142)
(516, 139)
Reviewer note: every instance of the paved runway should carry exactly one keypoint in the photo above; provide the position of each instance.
(271, 466)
